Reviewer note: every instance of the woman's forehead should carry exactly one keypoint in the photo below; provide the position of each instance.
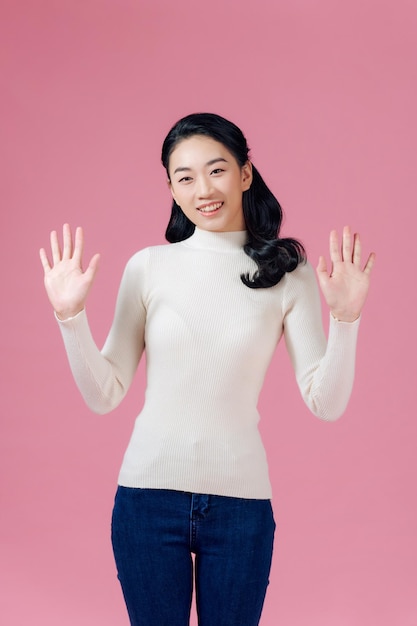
(198, 150)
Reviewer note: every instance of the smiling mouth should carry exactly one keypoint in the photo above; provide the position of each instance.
(207, 209)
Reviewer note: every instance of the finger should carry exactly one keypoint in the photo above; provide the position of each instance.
(44, 260)
(370, 263)
(334, 247)
(347, 244)
(322, 273)
(321, 266)
(357, 249)
(78, 245)
(92, 267)
(67, 239)
(55, 248)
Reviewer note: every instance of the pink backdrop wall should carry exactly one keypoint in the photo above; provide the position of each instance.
(326, 93)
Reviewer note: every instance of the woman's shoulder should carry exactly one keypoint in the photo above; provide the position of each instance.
(152, 254)
(149, 251)
(301, 283)
(304, 272)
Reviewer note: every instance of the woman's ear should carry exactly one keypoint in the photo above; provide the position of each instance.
(171, 190)
(247, 176)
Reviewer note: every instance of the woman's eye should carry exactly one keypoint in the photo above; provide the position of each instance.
(218, 170)
(185, 179)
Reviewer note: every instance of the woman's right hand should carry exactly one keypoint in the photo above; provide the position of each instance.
(66, 284)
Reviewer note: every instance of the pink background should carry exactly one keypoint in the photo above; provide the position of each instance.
(326, 93)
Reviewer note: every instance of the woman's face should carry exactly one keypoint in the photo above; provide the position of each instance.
(207, 183)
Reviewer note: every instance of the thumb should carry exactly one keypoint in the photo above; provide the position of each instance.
(321, 266)
(92, 268)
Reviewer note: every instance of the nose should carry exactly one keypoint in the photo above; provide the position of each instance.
(203, 187)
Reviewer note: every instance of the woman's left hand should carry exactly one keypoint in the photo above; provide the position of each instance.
(346, 286)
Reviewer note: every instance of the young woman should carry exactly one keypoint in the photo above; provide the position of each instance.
(208, 310)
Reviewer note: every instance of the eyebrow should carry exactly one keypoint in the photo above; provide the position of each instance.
(188, 169)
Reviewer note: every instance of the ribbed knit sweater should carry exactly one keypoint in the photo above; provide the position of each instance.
(208, 340)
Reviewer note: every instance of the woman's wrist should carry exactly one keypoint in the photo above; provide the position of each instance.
(62, 316)
(344, 317)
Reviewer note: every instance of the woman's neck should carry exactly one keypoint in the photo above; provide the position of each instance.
(213, 240)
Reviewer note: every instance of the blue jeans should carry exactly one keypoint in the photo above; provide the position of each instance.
(156, 531)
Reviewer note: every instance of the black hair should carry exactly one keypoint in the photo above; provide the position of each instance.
(261, 210)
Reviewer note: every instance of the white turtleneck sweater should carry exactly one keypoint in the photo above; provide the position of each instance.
(208, 341)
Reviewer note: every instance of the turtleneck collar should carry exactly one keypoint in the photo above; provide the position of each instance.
(221, 241)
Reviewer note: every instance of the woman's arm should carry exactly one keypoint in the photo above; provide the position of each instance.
(325, 369)
(102, 377)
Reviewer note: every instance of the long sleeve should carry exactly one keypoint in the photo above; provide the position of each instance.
(324, 369)
(104, 376)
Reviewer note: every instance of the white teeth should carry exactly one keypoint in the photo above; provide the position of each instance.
(211, 207)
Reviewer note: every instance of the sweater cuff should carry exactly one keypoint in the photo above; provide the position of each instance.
(339, 328)
(69, 319)
(336, 319)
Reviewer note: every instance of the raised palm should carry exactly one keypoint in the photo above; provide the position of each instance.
(66, 283)
(346, 285)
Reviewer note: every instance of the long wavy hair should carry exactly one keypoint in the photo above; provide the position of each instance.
(261, 210)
